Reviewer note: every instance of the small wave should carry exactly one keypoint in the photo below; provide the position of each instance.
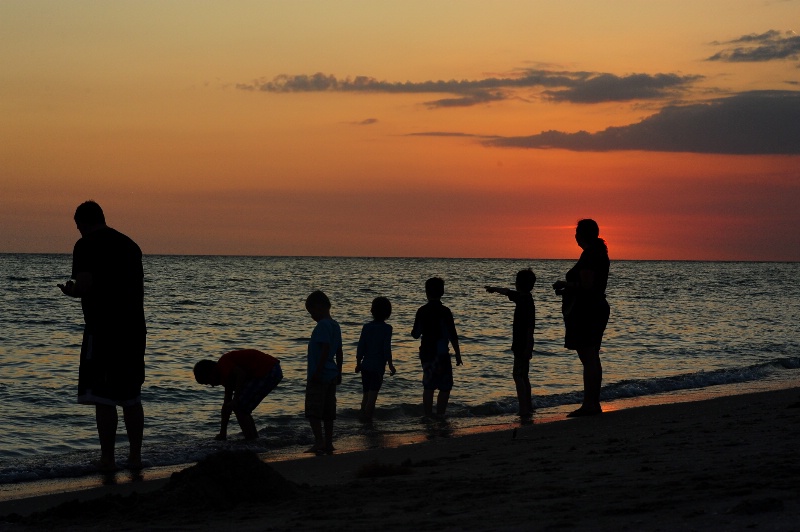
(643, 387)
(15, 278)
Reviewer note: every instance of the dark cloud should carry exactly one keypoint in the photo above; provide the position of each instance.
(576, 87)
(767, 46)
(611, 88)
(366, 122)
(758, 122)
(468, 100)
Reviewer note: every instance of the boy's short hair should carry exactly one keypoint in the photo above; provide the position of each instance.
(434, 287)
(526, 279)
(318, 298)
(381, 308)
(203, 371)
(89, 213)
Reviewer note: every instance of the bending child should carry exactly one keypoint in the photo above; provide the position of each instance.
(374, 352)
(248, 376)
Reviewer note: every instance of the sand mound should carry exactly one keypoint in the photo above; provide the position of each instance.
(227, 478)
(217, 483)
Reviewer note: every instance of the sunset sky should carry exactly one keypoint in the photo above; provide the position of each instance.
(404, 128)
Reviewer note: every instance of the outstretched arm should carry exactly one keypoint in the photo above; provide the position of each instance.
(497, 289)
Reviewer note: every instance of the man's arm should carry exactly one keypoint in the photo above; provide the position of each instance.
(79, 286)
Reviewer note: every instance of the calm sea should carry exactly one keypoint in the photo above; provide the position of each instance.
(674, 326)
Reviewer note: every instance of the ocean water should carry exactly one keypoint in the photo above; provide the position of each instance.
(674, 326)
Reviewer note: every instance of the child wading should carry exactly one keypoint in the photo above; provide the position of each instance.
(374, 352)
(434, 324)
(522, 335)
(324, 372)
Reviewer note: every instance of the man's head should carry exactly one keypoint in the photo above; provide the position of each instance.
(89, 216)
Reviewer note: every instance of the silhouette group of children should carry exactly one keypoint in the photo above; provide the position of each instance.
(248, 375)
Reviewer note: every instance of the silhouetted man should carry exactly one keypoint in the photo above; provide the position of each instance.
(107, 276)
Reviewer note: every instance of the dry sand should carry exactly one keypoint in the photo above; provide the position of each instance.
(722, 464)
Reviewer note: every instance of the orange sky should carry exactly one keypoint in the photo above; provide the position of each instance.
(201, 127)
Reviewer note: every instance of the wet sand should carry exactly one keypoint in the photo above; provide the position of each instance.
(728, 463)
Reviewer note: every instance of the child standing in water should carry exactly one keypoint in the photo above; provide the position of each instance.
(435, 326)
(373, 353)
(324, 372)
(522, 335)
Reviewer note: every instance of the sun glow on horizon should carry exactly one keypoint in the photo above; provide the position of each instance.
(404, 129)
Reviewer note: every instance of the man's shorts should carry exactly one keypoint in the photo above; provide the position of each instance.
(321, 400)
(371, 381)
(257, 389)
(111, 368)
(437, 374)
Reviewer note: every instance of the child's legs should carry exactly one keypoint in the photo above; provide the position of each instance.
(314, 411)
(371, 382)
(441, 402)
(372, 398)
(444, 381)
(523, 386)
(522, 382)
(427, 401)
(429, 385)
(329, 413)
(247, 424)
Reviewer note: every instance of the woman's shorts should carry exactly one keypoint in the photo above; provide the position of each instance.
(585, 326)
(321, 400)
(257, 389)
(371, 381)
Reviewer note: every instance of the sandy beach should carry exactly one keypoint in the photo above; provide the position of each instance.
(728, 463)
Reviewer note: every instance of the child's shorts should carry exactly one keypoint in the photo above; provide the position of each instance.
(321, 400)
(257, 389)
(522, 365)
(371, 381)
(437, 374)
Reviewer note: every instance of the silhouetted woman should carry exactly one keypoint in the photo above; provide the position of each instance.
(586, 311)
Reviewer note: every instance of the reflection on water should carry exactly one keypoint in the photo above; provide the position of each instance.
(682, 320)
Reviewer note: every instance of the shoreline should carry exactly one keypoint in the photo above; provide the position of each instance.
(478, 445)
(725, 463)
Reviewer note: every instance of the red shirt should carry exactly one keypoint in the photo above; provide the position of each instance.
(254, 363)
